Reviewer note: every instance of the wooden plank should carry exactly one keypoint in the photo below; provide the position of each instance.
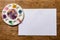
(10, 33)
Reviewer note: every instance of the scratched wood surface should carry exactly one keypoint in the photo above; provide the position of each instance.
(11, 33)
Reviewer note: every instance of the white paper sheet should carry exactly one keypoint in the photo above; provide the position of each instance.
(38, 22)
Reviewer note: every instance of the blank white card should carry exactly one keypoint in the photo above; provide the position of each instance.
(38, 22)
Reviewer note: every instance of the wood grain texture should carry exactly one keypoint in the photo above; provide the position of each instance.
(10, 33)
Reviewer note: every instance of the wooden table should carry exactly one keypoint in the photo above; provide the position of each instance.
(11, 33)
